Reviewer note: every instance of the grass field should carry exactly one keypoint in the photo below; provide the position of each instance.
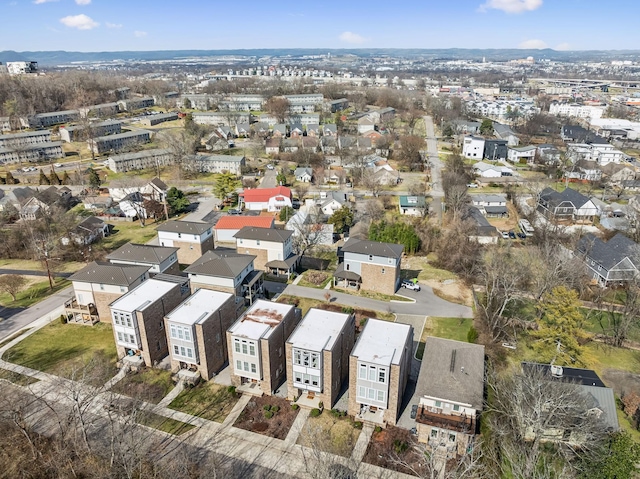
(165, 424)
(17, 378)
(37, 291)
(447, 328)
(207, 400)
(423, 269)
(26, 264)
(13, 336)
(128, 231)
(62, 348)
(149, 385)
(330, 434)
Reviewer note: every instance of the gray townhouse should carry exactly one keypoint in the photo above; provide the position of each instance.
(32, 153)
(141, 160)
(103, 128)
(610, 263)
(119, 141)
(102, 110)
(26, 138)
(45, 120)
(152, 120)
(159, 259)
(220, 163)
(133, 104)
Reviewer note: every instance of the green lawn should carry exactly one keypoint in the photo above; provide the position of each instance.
(207, 400)
(26, 264)
(17, 378)
(447, 328)
(63, 348)
(128, 231)
(423, 268)
(13, 336)
(149, 385)
(164, 424)
(36, 292)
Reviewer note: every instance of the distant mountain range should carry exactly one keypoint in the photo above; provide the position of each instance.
(63, 57)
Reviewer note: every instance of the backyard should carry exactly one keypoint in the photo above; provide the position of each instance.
(128, 231)
(448, 328)
(395, 448)
(331, 432)
(149, 385)
(306, 303)
(207, 400)
(268, 415)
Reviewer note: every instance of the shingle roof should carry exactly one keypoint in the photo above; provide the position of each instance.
(612, 252)
(91, 223)
(264, 234)
(159, 184)
(452, 370)
(586, 377)
(225, 264)
(554, 198)
(387, 250)
(107, 273)
(239, 222)
(142, 253)
(412, 201)
(187, 227)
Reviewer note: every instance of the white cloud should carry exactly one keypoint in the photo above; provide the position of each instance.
(563, 46)
(533, 44)
(511, 6)
(113, 25)
(83, 2)
(38, 2)
(81, 22)
(350, 37)
(140, 34)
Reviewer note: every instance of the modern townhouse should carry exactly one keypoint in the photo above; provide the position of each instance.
(305, 102)
(491, 206)
(32, 153)
(138, 321)
(220, 164)
(140, 161)
(473, 147)
(270, 199)
(576, 110)
(256, 345)
(568, 205)
(337, 105)
(273, 249)
(379, 367)
(45, 120)
(504, 132)
(27, 138)
(451, 383)
(318, 357)
(133, 104)
(97, 285)
(227, 271)
(227, 226)
(98, 129)
(120, 141)
(523, 154)
(369, 265)
(191, 238)
(196, 333)
(613, 263)
(159, 259)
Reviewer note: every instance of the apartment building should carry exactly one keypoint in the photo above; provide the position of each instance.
(133, 104)
(451, 383)
(102, 110)
(32, 153)
(318, 357)
(370, 265)
(138, 320)
(197, 101)
(152, 120)
(192, 239)
(22, 68)
(256, 345)
(97, 285)
(159, 259)
(196, 332)
(103, 128)
(220, 163)
(45, 120)
(305, 102)
(141, 160)
(26, 138)
(119, 141)
(576, 110)
(379, 368)
(273, 249)
(220, 118)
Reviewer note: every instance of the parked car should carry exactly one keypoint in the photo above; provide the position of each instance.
(512, 235)
(522, 236)
(505, 235)
(410, 285)
(472, 185)
(269, 167)
(414, 411)
(57, 165)
(234, 212)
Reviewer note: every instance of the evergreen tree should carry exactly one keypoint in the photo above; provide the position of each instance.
(43, 179)
(94, 178)
(396, 232)
(66, 179)
(341, 219)
(486, 127)
(10, 180)
(176, 200)
(226, 184)
(54, 179)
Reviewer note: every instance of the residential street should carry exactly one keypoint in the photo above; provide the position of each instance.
(269, 179)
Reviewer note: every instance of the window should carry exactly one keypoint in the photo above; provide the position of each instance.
(176, 350)
(180, 334)
(161, 325)
(298, 377)
(179, 235)
(101, 287)
(380, 396)
(122, 289)
(245, 349)
(297, 357)
(246, 366)
(132, 340)
(438, 403)
(120, 336)
(195, 237)
(363, 372)
(187, 335)
(434, 433)
(253, 368)
(257, 242)
(372, 373)
(237, 345)
(390, 260)
(362, 391)
(182, 351)
(239, 365)
(189, 353)
(382, 375)
(252, 350)
(371, 393)
(452, 437)
(370, 257)
(456, 407)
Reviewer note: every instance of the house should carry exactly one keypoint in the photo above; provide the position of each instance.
(318, 357)
(305, 224)
(328, 145)
(379, 367)
(486, 170)
(413, 205)
(578, 134)
(313, 130)
(495, 149)
(303, 174)
(384, 176)
(141, 160)
(158, 259)
(196, 333)
(88, 231)
(138, 321)
(270, 199)
(273, 249)
(524, 154)
(612, 263)
(569, 205)
(243, 130)
(366, 124)
(155, 190)
(491, 206)
(132, 205)
(279, 130)
(503, 132)
(290, 145)
(330, 129)
(296, 130)
(43, 201)
(617, 174)
(584, 170)
(156, 119)
(451, 383)
(191, 238)
(310, 143)
(5, 124)
(227, 226)
(595, 400)
(548, 154)
(120, 141)
(332, 201)
(473, 147)
(103, 128)
(481, 230)
(338, 105)
(220, 164)
(98, 284)
(256, 345)
(227, 271)
(370, 265)
(272, 145)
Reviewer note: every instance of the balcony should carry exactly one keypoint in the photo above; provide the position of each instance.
(434, 417)
(80, 314)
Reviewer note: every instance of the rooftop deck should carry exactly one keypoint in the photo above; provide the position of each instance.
(435, 417)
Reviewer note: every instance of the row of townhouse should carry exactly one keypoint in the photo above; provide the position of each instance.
(233, 118)
(27, 138)
(152, 120)
(46, 120)
(103, 128)
(576, 110)
(32, 153)
(476, 147)
(600, 153)
(119, 141)
(132, 104)
(141, 160)
(219, 163)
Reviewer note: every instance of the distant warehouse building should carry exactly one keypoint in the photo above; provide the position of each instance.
(141, 160)
(220, 163)
(74, 132)
(119, 142)
(35, 152)
(152, 120)
(45, 120)
(136, 103)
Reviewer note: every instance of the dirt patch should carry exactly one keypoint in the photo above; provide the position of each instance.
(392, 447)
(268, 415)
(622, 382)
(454, 291)
(330, 432)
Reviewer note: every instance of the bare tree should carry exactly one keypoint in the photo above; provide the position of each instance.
(619, 321)
(308, 231)
(371, 182)
(12, 284)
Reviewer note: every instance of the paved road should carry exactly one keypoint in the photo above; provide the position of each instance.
(14, 319)
(437, 193)
(269, 179)
(205, 206)
(30, 272)
(427, 303)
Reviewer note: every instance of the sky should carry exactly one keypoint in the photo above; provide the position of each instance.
(117, 25)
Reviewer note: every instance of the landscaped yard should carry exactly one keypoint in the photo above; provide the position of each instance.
(330, 433)
(305, 303)
(36, 290)
(149, 385)
(207, 400)
(389, 445)
(268, 415)
(315, 279)
(164, 424)
(63, 349)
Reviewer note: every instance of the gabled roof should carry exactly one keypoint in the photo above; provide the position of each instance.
(186, 227)
(412, 201)
(158, 183)
(375, 248)
(107, 273)
(262, 195)
(221, 263)
(585, 377)
(91, 223)
(554, 198)
(302, 170)
(264, 234)
(239, 222)
(612, 252)
(142, 253)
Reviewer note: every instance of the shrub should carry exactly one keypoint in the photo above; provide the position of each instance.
(268, 414)
(316, 277)
(347, 310)
(400, 446)
(472, 335)
(320, 405)
(335, 413)
(295, 407)
(267, 407)
(231, 389)
(314, 412)
(275, 409)
(63, 319)
(357, 424)
(378, 429)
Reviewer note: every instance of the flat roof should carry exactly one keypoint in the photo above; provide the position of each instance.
(143, 295)
(260, 319)
(318, 330)
(381, 342)
(198, 307)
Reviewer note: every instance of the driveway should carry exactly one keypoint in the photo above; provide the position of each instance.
(206, 205)
(427, 303)
(269, 179)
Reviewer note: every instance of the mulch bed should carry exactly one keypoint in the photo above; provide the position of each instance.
(392, 444)
(252, 418)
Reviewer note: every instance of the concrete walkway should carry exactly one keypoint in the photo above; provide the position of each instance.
(360, 448)
(297, 426)
(172, 394)
(427, 303)
(117, 378)
(235, 412)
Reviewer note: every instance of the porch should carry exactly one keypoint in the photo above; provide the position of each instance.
(371, 415)
(285, 267)
(252, 388)
(188, 376)
(346, 279)
(309, 400)
(79, 313)
(252, 286)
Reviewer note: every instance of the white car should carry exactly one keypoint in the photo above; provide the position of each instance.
(410, 285)
(270, 167)
(57, 165)
(505, 234)
(26, 169)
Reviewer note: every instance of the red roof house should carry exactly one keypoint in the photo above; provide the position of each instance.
(270, 199)
(228, 226)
